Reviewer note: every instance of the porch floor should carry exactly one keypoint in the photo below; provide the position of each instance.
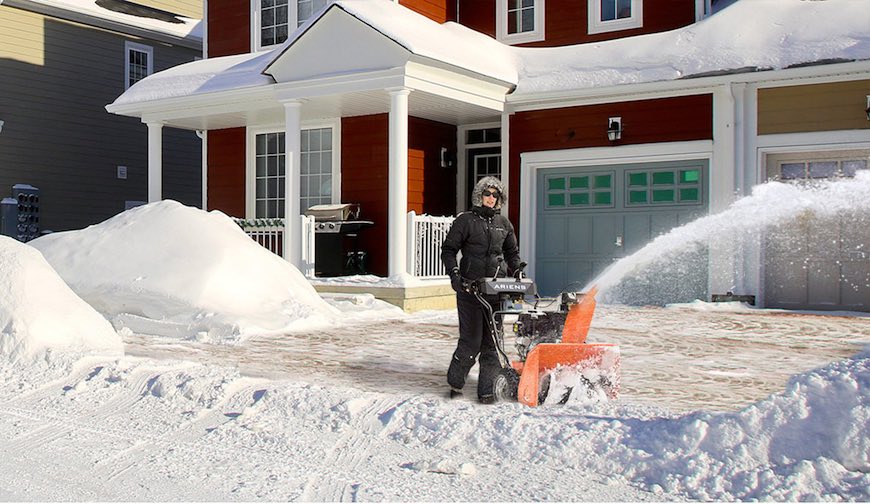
(436, 295)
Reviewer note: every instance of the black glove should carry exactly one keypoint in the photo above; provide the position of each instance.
(455, 280)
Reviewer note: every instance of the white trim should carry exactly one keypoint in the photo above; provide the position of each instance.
(204, 170)
(531, 162)
(250, 154)
(133, 46)
(596, 25)
(256, 24)
(501, 25)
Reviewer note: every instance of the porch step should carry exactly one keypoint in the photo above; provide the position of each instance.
(410, 299)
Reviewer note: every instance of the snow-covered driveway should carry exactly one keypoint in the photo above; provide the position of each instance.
(684, 358)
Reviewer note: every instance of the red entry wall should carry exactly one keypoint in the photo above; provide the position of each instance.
(365, 175)
(226, 171)
(677, 119)
(566, 21)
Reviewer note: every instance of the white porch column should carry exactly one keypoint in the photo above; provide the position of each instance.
(155, 161)
(293, 158)
(397, 241)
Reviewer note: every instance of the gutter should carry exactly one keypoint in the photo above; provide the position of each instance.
(821, 73)
(189, 41)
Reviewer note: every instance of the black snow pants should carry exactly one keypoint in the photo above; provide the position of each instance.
(475, 342)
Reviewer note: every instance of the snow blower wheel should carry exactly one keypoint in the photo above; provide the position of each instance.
(505, 384)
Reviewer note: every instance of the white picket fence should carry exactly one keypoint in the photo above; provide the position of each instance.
(426, 233)
(270, 234)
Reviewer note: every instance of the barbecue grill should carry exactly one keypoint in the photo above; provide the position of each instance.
(336, 239)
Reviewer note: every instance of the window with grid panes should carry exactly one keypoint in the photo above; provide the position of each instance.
(315, 171)
(138, 64)
(277, 18)
(821, 169)
(649, 187)
(591, 190)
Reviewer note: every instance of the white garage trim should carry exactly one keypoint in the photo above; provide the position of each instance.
(531, 162)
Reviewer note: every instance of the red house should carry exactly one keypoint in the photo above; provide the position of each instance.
(402, 106)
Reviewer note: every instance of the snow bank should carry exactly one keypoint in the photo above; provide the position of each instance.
(809, 442)
(39, 312)
(176, 271)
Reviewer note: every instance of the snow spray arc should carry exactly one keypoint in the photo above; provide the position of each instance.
(786, 225)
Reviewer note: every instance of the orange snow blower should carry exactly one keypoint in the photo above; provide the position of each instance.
(550, 342)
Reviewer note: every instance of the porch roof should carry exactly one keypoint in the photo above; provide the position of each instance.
(339, 63)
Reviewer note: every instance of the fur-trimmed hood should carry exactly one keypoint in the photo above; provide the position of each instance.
(485, 183)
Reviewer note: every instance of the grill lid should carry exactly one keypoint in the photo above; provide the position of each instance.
(334, 212)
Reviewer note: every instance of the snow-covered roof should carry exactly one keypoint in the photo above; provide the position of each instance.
(449, 43)
(129, 18)
(745, 36)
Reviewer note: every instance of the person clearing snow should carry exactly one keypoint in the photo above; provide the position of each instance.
(489, 249)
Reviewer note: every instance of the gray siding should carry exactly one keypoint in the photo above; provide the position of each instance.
(55, 79)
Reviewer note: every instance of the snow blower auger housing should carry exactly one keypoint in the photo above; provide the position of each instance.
(554, 358)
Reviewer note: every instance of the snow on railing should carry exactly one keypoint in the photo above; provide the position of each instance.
(270, 234)
(426, 233)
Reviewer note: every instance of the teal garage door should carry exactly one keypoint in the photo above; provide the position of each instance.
(589, 217)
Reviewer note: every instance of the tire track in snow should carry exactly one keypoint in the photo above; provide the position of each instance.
(348, 455)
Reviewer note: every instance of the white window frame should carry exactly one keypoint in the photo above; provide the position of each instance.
(629, 23)
(256, 24)
(133, 46)
(501, 24)
(251, 161)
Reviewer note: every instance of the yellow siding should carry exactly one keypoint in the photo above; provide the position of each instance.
(186, 8)
(22, 36)
(817, 107)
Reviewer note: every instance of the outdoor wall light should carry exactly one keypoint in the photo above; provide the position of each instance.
(1, 126)
(614, 128)
(867, 110)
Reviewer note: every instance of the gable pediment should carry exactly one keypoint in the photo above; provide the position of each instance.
(337, 43)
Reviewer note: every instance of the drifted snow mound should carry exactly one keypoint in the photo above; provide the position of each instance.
(175, 271)
(39, 312)
(807, 443)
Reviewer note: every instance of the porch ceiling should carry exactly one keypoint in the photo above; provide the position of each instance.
(258, 113)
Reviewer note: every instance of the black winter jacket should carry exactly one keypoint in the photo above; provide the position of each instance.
(486, 240)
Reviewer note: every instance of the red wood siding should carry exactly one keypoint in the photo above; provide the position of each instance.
(431, 188)
(436, 10)
(478, 15)
(566, 21)
(226, 171)
(364, 171)
(229, 27)
(648, 121)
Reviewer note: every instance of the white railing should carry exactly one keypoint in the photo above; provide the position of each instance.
(270, 234)
(426, 233)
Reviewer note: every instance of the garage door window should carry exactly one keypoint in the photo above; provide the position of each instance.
(592, 190)
(652, 187)
(822, 169)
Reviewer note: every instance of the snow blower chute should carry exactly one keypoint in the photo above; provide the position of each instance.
(554, 358)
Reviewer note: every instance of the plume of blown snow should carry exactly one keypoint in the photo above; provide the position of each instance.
(39, 313)
(176, 271)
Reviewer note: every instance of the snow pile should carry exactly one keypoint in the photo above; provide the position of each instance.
(809, 442)
(39, 313)
(176, 271)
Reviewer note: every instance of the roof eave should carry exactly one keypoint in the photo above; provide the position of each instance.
(189, 41)
(691, 85)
